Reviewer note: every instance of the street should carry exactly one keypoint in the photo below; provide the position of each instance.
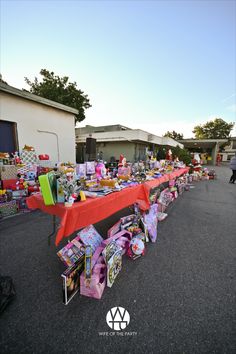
(180, 296)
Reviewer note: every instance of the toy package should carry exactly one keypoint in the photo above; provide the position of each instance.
(71, 280)
(81, 170)
(90, 236)
(97, 280)
(122, 240)
(90, 167)
(71, 253)
(114, 229)
(165, 198)
(112, 254)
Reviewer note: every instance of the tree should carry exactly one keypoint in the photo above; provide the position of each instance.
(60, 90)
(182, 154)
(174, 135)
(214, 129)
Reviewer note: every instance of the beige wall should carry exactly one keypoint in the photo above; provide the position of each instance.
(115, 149)
(31, 117)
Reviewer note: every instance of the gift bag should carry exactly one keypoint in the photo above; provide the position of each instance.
(165, 198)
(150, 220)
(96, 285)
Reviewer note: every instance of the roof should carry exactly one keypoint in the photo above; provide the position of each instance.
(131, 135)
(202, 143)
(30, 96)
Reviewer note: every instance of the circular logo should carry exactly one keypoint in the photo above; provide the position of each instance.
(118, 318)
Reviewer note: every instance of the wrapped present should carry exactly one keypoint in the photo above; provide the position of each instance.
(8, 209)
(28, 168)
(28, 156)
(95, 286)
(6, 184)
(8, 172)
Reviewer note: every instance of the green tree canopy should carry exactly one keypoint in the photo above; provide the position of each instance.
(60, 90)
(174, 135)
(214, 129)
(182, 154)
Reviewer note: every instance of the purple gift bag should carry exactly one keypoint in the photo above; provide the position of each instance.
(150, 220)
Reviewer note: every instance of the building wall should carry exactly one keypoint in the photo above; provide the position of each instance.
(32, 117)
(110, 149)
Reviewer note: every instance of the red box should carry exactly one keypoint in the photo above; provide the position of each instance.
(7, 183)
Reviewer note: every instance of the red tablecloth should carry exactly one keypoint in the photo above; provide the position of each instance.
(93, 210)
(90, 211)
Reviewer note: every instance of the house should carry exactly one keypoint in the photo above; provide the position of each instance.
(28, 119)
(113, 140)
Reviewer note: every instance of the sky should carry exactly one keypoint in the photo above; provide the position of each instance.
(151, 65)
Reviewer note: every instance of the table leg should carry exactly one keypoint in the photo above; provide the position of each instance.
(54, 229)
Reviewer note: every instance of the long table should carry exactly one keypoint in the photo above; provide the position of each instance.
(93, 210)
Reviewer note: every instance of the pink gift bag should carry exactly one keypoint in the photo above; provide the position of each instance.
(122, 239)
(98, 279)
(150, 220)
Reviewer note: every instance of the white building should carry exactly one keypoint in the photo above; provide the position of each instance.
(113, 140)
(28, 119)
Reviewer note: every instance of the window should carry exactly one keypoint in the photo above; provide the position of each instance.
(8, 137)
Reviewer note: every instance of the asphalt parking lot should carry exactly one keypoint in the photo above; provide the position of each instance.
(180, 295)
